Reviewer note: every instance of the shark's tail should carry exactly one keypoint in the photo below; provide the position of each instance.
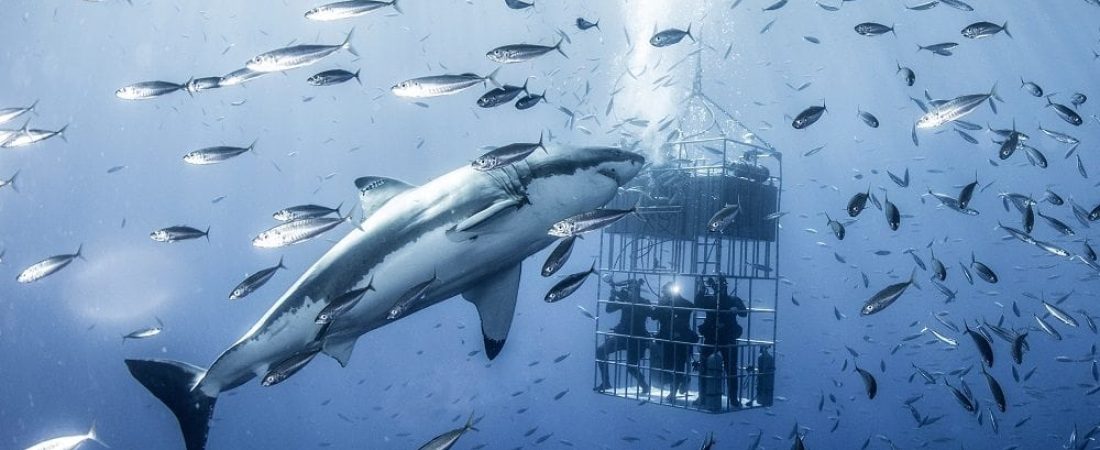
(172, 382)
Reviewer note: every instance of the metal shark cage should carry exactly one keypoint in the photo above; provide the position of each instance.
(687, 315)
(712, 295)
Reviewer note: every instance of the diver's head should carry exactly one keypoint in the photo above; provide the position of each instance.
(670, 289)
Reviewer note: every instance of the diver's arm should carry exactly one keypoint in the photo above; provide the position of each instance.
(739, 307)
(612, 306)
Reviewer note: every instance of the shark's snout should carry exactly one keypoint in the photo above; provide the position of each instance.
(621, 165)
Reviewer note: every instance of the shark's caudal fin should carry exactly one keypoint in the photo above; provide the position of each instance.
(172, 383)
(495, 298)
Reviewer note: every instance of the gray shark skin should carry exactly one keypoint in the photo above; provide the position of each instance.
(470, 229)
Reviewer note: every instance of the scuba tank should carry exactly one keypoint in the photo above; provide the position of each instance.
(710, 389)
(765, 378)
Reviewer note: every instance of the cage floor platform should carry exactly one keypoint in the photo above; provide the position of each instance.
(684, 400)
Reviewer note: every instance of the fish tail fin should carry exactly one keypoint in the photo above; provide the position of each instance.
(80, 251)
(338, 207)
(597, 25)
(543, 147)
(919, 48)
(688, 31)
(357, 79)
(492, 76)
(1005, 28)
(173, 384)
(280, 265)
(396, 7)
(95, 437)
(11, 181)
(357, 225)
(61, 133)
(32, 107)
(470, 423)
(913, 279)
(346, 45)
(634, 209)
(251, 147)
(892, 31)
(206, 233)
(993, 93)
(558, 47)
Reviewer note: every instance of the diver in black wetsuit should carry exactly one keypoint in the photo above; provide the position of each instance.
(674, 326)
(630, 334)
(720, 330)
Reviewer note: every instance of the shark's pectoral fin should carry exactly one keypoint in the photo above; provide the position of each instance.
(460, 236)
(339, 350)
(495, 298)
(468, 229)
(376, 191)
(483, 217)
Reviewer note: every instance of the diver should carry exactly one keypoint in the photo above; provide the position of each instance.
(673, 315)
(720, 332)
(630, 334)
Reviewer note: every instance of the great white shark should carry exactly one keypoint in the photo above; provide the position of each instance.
(469, 229)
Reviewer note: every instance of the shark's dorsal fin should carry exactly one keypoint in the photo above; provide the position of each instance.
(376, 191)
(495, 298)
(339, 350)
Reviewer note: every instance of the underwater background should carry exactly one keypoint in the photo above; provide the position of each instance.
(61, 359)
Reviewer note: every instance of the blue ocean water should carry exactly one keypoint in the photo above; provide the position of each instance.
(62, 356)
